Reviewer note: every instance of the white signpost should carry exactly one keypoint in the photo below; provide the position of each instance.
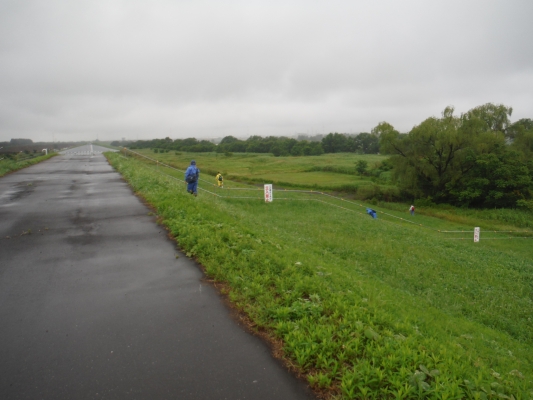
(476, 234)
(268, 193)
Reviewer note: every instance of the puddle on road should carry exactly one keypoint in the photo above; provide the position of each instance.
(17, 192)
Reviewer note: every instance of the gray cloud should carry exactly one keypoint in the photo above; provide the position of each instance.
(144, 69)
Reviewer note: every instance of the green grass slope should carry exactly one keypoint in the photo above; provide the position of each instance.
(325, 172)
(364, 308)
(8, 165)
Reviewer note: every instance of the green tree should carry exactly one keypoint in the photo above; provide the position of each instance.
(519, 127)
(335, 143)
(495, 117)
(298, 148)
(521, 134)
(361, 167)
(387, 136)
(442, 156)
(229, 140)
(19, 142)
(366, 143)
(316, 148)
(523, 143)
(424, 158)
(496, 180)
(276, 150)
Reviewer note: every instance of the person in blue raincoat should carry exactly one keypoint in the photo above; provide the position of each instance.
(192, 174)
(372, 213)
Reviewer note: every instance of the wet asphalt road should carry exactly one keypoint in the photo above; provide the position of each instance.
(95, 305)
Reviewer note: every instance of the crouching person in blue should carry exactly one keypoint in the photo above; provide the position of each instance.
(191, 177)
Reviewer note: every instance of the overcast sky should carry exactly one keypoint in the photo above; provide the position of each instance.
(107, 69)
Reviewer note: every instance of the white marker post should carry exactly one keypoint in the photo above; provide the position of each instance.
(268, 193)
(476, 234)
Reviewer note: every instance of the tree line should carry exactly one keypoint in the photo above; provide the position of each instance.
(363, 143)
(29, 146)
(476, 159)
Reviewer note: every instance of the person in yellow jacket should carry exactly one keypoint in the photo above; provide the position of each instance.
(220, 180)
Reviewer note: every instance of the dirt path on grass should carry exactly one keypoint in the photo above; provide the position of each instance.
(94, 303)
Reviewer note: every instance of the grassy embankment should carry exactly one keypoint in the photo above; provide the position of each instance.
(8, 165)
(334, 172)
(365, 308)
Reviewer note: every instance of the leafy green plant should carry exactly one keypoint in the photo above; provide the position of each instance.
(361, 167)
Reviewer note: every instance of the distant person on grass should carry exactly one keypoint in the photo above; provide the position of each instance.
(372, 213)
(220, 180)
(191, 177)
(412, 210)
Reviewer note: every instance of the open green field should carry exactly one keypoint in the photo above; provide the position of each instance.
(326, 172)
(383, 308)
(8, 165)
